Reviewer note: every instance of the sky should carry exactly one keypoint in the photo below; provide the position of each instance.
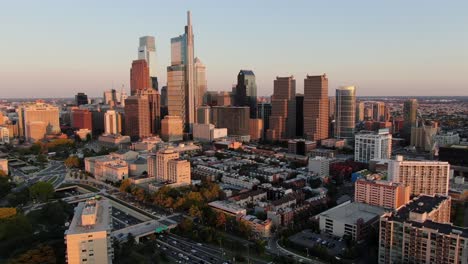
(412, 48)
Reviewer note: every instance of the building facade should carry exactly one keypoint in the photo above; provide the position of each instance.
(345, 120)
(369, 145)
(137, 120)
(386, 194)
(246, 91)
(172, 128)
(139, 76)
(316, 107)
(283, 109)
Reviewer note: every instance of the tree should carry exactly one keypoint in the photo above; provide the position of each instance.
(125, 185)
(41, 191)
(41, 158)
(220, 219)
(194, 211)
(5, 186)
(72, 162)
(40, 254)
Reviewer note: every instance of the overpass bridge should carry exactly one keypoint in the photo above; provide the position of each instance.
(143, 229)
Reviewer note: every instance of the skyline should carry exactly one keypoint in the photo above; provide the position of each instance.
(88, 52)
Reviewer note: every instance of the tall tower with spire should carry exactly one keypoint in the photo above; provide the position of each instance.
(181, 83)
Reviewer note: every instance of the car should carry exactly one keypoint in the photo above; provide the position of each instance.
(193, 251)
(199, 244)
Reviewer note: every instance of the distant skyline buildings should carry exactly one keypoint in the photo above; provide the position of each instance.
(371, 61)
(316, 102)
(345, 114)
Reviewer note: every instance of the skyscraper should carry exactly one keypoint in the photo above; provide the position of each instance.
(180, 77)
(81, 99)
(246, 91)
(264, 112)
(410, 112)
(345, 112)
(299, 115)
(137, 112)
(139, 76)
(378, 111)
(316, 107)
(283, 118)
(235, 119)
(154, 100)
(147, 52)
(200, 82)
(82, 119)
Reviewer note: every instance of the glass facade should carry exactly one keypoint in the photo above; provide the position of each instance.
(345, 112)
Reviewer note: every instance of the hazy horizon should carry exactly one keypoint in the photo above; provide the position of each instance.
(398, 48)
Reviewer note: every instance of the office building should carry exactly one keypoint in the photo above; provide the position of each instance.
(200, 82)
(378, 111)
(112, 123)
(88, 237)
(301, 146)
(137, 120)
(224, 99)
(246, 91)
(81, 99)
(154, 100)
(264, 112)
(422, 136)
(331, 107)
(235, 119)
(178, 172)
(147, 52)
(360, 111)
(345, 112)
(410, 113)
(172, 128)
(300, 115)
(386, 194)
(320, 166)
(204, 115)
(181, 79)
(139, 76)
(208, 132)
(164, 97)
(316, 107)
(353, 220)
(420, 232)
(256, 128)
(158, 164)
(283, 109)
(38, 120)
(370, 145)
(82, 119)
(423, 177)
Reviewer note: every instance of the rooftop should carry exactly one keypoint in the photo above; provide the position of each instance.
(352, 212)
(102, 221)
(420, 205)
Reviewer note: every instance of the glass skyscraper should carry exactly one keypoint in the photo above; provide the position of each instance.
(345, 120)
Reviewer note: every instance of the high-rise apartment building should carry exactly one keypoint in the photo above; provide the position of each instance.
(88, 237)
(378, 111)
(300, 115)
(316, 107)
(235, 119)
(283, 109)
(137, 117)
(386, 194)
(82, 119)
(420, 232)
(423, 177)
(345, 112)
(112, 122)
(81, 99)
(37, 120)
(139, 76)
(410, 113)
(370, 145)
(246, 91)
(360, 111)
(172, 128)
(181, 79)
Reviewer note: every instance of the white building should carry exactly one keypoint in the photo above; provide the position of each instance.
(350, 219)
(369, 145)
(88, 238)
(320, 165)
(147, 51)
(423, 177)
(240, 181)
(444, 140)
(112, 123)
(208, 132)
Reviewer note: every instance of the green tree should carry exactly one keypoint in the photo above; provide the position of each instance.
(220, 219)
(41, 191)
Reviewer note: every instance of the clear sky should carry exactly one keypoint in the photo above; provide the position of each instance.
(58, 48)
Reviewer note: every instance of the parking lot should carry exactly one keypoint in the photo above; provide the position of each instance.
(309, 239)
(120, 219)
